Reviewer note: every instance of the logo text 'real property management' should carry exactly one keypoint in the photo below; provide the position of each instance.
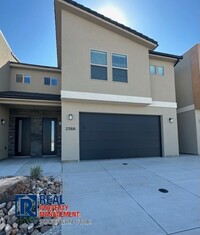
(32, 205)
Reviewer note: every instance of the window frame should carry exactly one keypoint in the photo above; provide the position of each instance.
(98, 65)
(24, 76)
(118, 67)
(50, 81)
(155, 67)
(163, 71)
(27, 76)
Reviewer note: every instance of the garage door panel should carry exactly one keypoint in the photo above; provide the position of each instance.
(106, 136)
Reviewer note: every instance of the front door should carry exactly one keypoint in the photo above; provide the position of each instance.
(23, 137)
(49, 136)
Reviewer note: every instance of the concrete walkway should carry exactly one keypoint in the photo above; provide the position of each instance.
(123, 199)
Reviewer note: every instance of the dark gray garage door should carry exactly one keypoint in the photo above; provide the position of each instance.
(107, 136)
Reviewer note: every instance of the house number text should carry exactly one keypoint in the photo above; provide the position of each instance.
(69, 128)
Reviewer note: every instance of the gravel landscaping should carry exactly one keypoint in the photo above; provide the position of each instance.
(12, 225)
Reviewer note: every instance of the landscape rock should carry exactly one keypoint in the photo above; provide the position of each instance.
(13, 185)
(1, 213)
(35, 232)
(11, 219)
(2, 205)
(12, 210)
(14, 231)
(15, 225)
(30, 227)
(2, 226)
(24, 225)
(8, 229)
(45, 228)
(9, 205)
(2, 233)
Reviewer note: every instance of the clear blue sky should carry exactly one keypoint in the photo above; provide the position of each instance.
(29, 25)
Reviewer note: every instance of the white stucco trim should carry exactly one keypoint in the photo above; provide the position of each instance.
(74, 95)
(186, 109)
(162, 104)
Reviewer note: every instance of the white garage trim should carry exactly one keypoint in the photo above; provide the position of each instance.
(74, 95)
(162, 104)
(105, 97)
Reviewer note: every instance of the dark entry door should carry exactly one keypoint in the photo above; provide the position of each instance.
(106, 136)
(49, 136)
(23, 137)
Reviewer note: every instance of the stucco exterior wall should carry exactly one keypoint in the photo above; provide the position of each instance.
(197, 117)
(183, 82)
(4, 114)
(5, 57)
(79, 36)
(70, 139)
(163, 87)
(187, 132)
(37, 81)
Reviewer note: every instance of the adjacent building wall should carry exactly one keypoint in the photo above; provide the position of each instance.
(4, 114)
(197, 116)
(5, 57)
(187, 80)
(187, 132)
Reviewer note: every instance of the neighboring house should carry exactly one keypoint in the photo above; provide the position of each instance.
(117, 95)
(187, 74)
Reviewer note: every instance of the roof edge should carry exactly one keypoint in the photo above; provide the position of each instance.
(109, 20)
(165, 55)
(34, 65)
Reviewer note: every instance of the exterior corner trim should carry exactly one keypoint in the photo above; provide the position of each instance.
(162, 104)
(186, 109)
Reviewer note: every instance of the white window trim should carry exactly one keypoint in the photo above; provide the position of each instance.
(51, 81)
(23, 78)
(99, 65)
(114, 67)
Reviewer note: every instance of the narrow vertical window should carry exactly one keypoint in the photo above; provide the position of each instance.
(98, 65)
(152, 69)
(160, 70)
(119, 68)
(52, 136)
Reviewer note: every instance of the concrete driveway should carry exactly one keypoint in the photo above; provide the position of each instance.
(124, 199)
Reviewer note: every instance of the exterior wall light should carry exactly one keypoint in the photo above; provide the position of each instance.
(70, 117)
(3, 121)
(171, 120)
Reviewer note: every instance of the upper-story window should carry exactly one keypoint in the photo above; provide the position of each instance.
(50, 81)
(98, 65)
(119, 68)
(160, 70)
(20, 78)
(156, 70)
(152, 69)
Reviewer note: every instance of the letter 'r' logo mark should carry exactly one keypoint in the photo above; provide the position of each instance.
(26, 205)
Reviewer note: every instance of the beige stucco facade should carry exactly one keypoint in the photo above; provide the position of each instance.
(37, 75)
(143, 94)
(79, 31)
(71, 150)
(187, 74)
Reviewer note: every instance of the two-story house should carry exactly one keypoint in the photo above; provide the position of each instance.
(112, 95)
(30, 107)
(188, 98)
